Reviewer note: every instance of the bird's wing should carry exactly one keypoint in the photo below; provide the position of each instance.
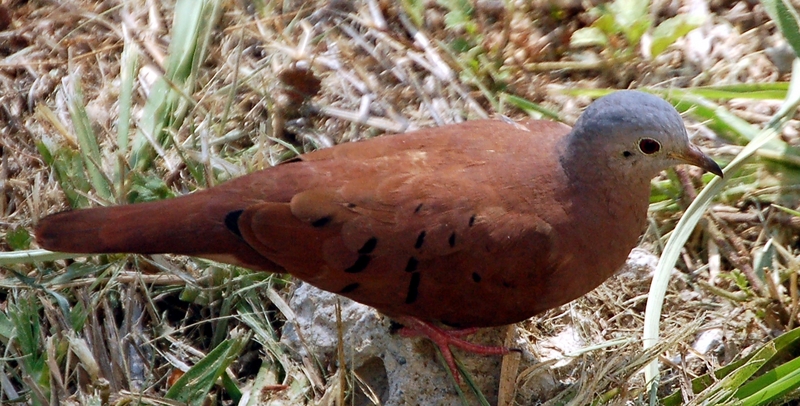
(391, 230)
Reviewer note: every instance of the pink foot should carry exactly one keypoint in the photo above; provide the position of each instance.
(413, 327)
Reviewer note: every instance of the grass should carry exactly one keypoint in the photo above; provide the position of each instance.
(145, 101)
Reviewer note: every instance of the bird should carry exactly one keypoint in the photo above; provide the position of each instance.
(470, 225)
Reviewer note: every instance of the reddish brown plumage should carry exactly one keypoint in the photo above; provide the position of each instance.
(477, 224)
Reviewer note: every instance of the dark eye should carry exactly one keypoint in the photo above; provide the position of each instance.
(649, 146)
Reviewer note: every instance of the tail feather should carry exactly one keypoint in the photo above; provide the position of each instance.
(189, 225)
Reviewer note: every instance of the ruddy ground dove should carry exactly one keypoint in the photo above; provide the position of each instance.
(477, 224)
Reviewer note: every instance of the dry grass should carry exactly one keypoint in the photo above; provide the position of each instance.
(377, 74)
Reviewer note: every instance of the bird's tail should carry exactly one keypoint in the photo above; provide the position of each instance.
(190, 225)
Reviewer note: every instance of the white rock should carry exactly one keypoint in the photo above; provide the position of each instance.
(399, 370)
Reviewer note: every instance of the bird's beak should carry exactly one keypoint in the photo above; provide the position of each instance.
(694, 156)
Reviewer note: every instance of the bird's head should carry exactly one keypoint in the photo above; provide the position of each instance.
(636, 133)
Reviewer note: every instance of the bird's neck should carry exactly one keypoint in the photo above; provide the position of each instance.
(610, 190)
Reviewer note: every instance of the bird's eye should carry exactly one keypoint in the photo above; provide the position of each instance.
(649, 146)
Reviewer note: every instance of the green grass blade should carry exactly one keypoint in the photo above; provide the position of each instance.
(128, 69)
(87, 140)
(771, 385)
(727, 387)
(196, 383)
(471, 384)
(170, 99)
(716, 117)
(527, 105)
(129, 65)
(673, 28)
(25, 339)
(461, 395)
(32, 256)
(768, 387)
(752, 91)
(786, 18)
(783, 344)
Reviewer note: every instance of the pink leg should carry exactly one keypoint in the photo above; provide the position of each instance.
(413, 327)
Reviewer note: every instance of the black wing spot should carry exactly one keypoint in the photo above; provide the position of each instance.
(411, 266)
(413, 288)
(476, 277)
(360, 265)
(232, 221)
(321, 222)
(368, 246)
(420, 240)
(472, 221)
(419, 207)
(452, 240)
(349, 288)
